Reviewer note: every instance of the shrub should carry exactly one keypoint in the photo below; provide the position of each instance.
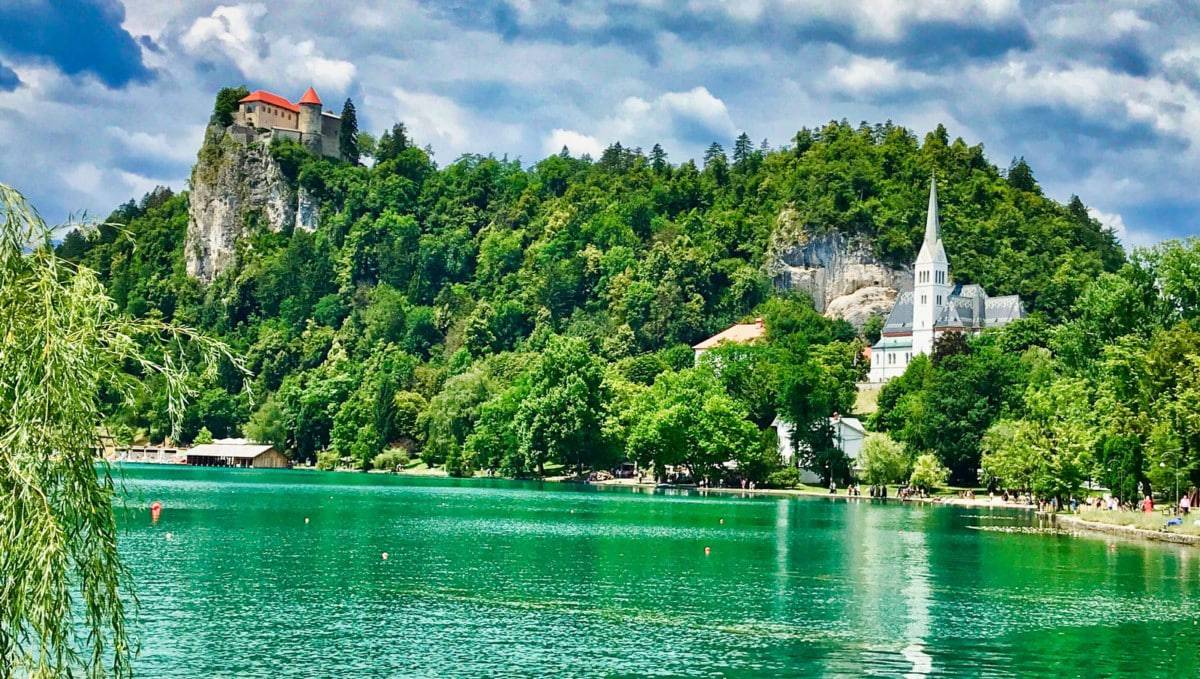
(327, 460)
(928, 474)
(788, 477)
(390, 460)
(203, 436)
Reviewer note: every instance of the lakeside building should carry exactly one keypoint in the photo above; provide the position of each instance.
(236, 453)
(738, 333)
(848, 436)
(303, 121)
(848, 432)
(934, 306)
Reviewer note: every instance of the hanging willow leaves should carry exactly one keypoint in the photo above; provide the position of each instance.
(63, 342)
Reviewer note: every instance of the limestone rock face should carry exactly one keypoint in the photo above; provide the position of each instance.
(841, 273)
(236, 186)
(863, 303)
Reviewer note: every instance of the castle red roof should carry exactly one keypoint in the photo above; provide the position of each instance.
(272, 99)
(310, 97)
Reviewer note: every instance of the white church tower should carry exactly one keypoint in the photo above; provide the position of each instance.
(931, 279)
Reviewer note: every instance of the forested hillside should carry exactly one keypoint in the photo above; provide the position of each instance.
(486, 314)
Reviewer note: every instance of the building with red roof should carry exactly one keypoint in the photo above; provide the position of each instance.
(303, 121)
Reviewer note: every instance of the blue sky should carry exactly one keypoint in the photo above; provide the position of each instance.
(101, 100)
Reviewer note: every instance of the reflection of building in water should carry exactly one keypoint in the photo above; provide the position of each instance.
(889, 572)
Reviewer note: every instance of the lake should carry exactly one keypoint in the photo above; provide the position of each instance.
(500, 578)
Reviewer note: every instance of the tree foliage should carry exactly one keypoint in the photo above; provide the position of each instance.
(68, 354)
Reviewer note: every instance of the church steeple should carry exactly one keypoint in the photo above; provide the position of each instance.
(933, 227)
(932, 250)
(931, 279)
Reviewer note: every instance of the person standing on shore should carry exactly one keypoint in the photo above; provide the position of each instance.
(1147, 505)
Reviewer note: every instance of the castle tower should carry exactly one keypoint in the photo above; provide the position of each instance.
(310, 120)
(931, 279)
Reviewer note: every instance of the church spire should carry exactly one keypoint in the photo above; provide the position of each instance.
(933, 228)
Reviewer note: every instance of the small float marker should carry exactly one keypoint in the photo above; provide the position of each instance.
(168, 536)
(384, 555)
(306, 519)
(707, 551)
(722, 522)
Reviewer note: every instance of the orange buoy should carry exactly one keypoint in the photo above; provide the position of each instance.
(155, 511)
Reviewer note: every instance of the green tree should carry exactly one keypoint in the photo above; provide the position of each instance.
(226, 105)
(884, 460)
(64, 344)
(203, 436)
(348, 134)
(562, 418)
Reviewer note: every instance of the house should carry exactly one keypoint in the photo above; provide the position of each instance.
(739, 333)
(236, 453)
(934, 306)
(848, 436)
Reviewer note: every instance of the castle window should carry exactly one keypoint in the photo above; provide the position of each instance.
(939, 300)
(923, 298)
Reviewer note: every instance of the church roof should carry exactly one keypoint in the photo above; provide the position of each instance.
(901, 318)
(1001, 310)
(310, 97)
(269, 98)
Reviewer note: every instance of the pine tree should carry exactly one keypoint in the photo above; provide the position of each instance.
(348, 135)
(743, 148)
(658, 159)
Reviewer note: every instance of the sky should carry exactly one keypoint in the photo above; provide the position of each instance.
(101, 100)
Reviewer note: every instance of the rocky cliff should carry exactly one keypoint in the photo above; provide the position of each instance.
(841, 273)
(237, 185)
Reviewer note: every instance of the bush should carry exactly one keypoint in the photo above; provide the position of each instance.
(390, 460)
(928, 474)
(788, 477)
(327, 460)
(203, 436)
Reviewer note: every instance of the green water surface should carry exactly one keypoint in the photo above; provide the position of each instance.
(497, 579)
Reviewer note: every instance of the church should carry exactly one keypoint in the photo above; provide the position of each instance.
(934, 306)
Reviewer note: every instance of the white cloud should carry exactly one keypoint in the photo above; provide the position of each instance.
(866, 77)
(180, 145)
(231, 30)
(577, 143)
(432, 118)
(85, 178)
(1130, 238)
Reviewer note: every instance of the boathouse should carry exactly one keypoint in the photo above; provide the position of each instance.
(236, 453)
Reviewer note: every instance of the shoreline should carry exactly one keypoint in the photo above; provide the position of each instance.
(1120, 530)
(1062, 520)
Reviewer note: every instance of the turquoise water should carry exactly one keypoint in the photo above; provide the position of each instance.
(496, 578)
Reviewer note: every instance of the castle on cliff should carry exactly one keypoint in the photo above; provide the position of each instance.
(935, 305)
(303, 121)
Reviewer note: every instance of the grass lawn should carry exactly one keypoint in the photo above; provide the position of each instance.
(1153, 521)
(866, 402)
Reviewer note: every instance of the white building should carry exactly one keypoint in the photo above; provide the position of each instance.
(934, 306)
(848, 436)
